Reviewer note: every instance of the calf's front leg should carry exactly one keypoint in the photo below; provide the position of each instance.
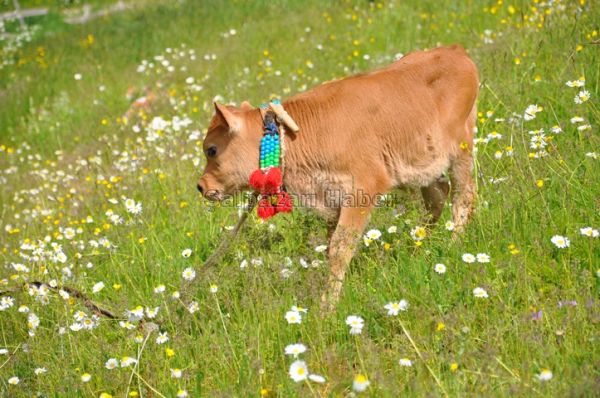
(342, 244)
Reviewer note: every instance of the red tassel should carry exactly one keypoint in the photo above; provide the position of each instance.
(266, 212)
(265, 209)
(273, 180)
(257, 180)
(268, 184)
(284, 202)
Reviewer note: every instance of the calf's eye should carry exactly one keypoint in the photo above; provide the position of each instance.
(211, 151)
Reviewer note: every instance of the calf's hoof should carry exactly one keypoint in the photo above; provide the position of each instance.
(331, 297)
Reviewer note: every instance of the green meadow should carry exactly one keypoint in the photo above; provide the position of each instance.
(101, 129)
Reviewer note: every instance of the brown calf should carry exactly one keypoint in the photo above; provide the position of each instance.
(404, 124)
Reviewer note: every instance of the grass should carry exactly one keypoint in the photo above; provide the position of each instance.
(67, 150)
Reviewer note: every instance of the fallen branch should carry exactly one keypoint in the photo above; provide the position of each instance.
(19, 14)
(88, 15)
(210, 262)
(89, 304)
(214, 258)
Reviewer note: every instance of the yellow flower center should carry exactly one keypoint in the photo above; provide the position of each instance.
(360, 378)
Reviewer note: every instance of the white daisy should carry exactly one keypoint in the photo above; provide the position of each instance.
(373, 234)
(176, 373)
(79, 315)
(162, 338)
(295, 349)
(316, 378)
(561, 242)
(356, 324)
(360, 383)
(584, 127)
(298, 371)
(576, 83)
(545, 375)
(577, 119)
(132, 206)
(418, 233)
(582, 97)
(135, 314)
(531, 111)
(483, 258)
(188, 274)
(480, 292)
(193, 307)
(6, 302)
(468, 258)
(112, 363)
(440, 268)
(590, 232)
(321, 248)
(395, 307)
(97, 287)
(293, 317)
(182, 393)
(127, 361)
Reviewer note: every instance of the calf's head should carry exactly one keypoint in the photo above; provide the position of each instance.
(231, 148)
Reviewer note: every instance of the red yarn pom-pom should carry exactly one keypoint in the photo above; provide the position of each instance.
(265, 209)
(257, 180)
(284, 202)
(273, 180)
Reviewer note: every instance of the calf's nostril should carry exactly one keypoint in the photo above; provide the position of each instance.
(200, 188)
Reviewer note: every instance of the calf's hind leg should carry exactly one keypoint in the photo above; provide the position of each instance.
(434, 196)
(463, 189)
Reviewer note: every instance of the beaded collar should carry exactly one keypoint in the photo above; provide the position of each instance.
(268, 179)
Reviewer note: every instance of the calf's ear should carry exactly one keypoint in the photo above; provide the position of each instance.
(246, 106)
(232, 120)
